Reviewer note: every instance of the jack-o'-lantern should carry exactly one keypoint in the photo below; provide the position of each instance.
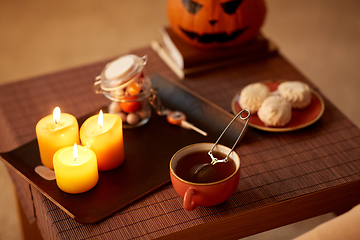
(216, 23)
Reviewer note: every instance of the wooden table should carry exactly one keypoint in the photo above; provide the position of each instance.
(286, 177)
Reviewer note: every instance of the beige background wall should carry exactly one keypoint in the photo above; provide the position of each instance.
(320, 37)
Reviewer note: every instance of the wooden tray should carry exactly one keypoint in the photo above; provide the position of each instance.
(148, 150)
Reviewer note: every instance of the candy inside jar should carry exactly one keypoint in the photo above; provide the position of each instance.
(123, 82)
(133, 106)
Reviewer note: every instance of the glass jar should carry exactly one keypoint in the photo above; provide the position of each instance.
(123, 82)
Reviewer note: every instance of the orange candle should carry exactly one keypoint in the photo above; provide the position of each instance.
(75, 169)
(54, 132)
(103, 133)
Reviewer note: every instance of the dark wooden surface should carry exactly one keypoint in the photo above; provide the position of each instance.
(276, 215)
(285, 177)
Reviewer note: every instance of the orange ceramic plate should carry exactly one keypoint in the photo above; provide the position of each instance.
(299, 119)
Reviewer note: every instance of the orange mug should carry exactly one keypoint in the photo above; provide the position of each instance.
(204, 194)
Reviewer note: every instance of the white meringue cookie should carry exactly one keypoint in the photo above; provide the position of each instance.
(275, 111)
(297, 93)
(252, 96)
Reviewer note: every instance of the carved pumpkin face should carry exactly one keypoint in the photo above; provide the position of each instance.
(216, 23)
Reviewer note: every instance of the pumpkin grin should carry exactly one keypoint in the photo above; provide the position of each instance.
(215, 37)
(216, 23)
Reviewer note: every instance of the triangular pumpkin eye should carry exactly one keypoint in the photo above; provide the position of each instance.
(231, 6)
(191, 6)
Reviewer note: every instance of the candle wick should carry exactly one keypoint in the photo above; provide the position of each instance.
(75, 159)
(100, 126)
(56, 122)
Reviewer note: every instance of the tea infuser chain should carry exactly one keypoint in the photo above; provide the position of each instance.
(214, 160)
(173, 117)
(156, 103)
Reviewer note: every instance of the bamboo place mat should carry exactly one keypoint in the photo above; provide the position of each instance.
(274, 166)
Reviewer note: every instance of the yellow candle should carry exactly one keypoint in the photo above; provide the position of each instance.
(103, 133)
(54, 132)
(75, 169)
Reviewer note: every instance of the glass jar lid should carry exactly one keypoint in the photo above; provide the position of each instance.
(120, 73)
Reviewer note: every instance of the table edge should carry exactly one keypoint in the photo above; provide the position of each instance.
(265, 218)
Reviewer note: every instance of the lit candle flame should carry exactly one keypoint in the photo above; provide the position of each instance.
(100, 119)
(56, 115)
(75, 152)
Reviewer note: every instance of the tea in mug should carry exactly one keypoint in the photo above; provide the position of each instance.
(186, 166)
